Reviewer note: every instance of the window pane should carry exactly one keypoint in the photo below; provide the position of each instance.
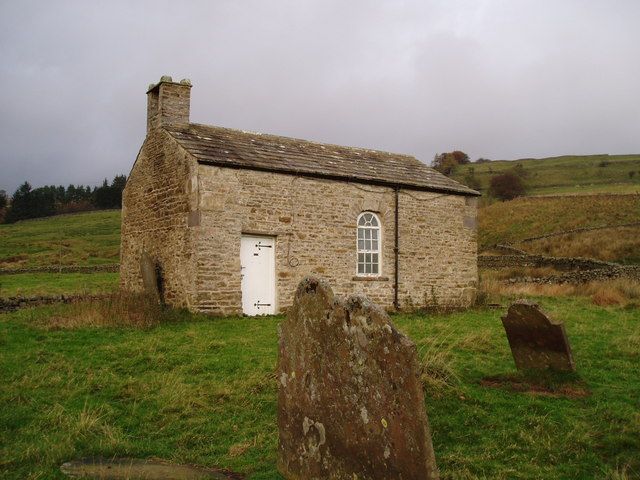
(360, 244)
(361, 268)
(367, 258)
(368, 268)
(374, 233)
(367, 233)
(361, 233)
(374, 222)
(361, 257)
(374, 268)
(374, 258)
(374, 245)
(367, 244)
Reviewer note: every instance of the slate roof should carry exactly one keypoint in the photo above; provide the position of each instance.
(239, 149)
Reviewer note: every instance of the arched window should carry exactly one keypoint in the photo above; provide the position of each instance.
(369, 240)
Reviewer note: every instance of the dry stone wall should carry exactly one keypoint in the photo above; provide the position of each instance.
(576, 277)
(9, 304)
(112, 267)
(560, 263)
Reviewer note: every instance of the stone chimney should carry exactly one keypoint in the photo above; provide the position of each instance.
(168, 102)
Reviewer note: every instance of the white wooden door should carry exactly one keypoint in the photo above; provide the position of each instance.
(257, 260)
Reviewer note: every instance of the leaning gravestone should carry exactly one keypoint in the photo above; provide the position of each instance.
(536, 341)
(350, 400)
(149, 275)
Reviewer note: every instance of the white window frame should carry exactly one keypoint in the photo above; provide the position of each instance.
(371, 251)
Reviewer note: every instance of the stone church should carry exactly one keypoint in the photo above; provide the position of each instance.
(233, 220)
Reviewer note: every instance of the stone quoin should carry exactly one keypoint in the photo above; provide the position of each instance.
(234, 220)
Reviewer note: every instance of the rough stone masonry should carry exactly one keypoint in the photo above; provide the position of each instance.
(536, 341)
(350, 400)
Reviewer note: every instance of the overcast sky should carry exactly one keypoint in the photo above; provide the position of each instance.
(499, 79)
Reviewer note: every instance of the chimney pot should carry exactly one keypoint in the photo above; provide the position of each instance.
(168, 102)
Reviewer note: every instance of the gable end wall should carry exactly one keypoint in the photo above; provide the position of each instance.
(160, 193)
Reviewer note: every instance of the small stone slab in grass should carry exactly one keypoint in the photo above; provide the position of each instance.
(537, 342)
(350, 400)
(139, 469)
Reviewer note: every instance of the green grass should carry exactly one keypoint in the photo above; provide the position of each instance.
(201, 390)
(91, 238)
(575, 174)
(27, 284)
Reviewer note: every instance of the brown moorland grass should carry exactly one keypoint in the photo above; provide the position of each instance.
(509, 222)
(117, 310)
(620, 245)
(616, 292)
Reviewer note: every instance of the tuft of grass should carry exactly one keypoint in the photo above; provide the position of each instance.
(117, 310)
(437, 364)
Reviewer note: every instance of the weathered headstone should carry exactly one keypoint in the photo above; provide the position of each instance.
(140, 469)
(149, 275)
(350, 400)
(537, 342)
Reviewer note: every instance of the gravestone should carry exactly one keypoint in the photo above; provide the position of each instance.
(149, 275)
(350, 400)
(537, 342)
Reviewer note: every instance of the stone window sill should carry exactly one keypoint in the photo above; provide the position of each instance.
(370, 279)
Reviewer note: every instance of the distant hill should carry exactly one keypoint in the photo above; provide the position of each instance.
(570, 174)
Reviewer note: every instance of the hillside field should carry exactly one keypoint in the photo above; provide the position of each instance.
(516, 220)
(91, 238)
(571, 174)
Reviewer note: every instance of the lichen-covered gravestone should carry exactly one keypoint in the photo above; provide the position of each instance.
(149, 275)
(537, 342)
(350, 400)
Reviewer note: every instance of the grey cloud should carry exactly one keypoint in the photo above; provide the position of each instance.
(499, 79)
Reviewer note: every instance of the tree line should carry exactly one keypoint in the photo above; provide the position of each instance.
(28, 202)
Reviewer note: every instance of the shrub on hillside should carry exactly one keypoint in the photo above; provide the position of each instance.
(507, 186)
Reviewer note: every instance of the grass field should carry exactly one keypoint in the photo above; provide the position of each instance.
(571, 174)
(91, 238)
(203, 391)
(28, 284)
(507, 222)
